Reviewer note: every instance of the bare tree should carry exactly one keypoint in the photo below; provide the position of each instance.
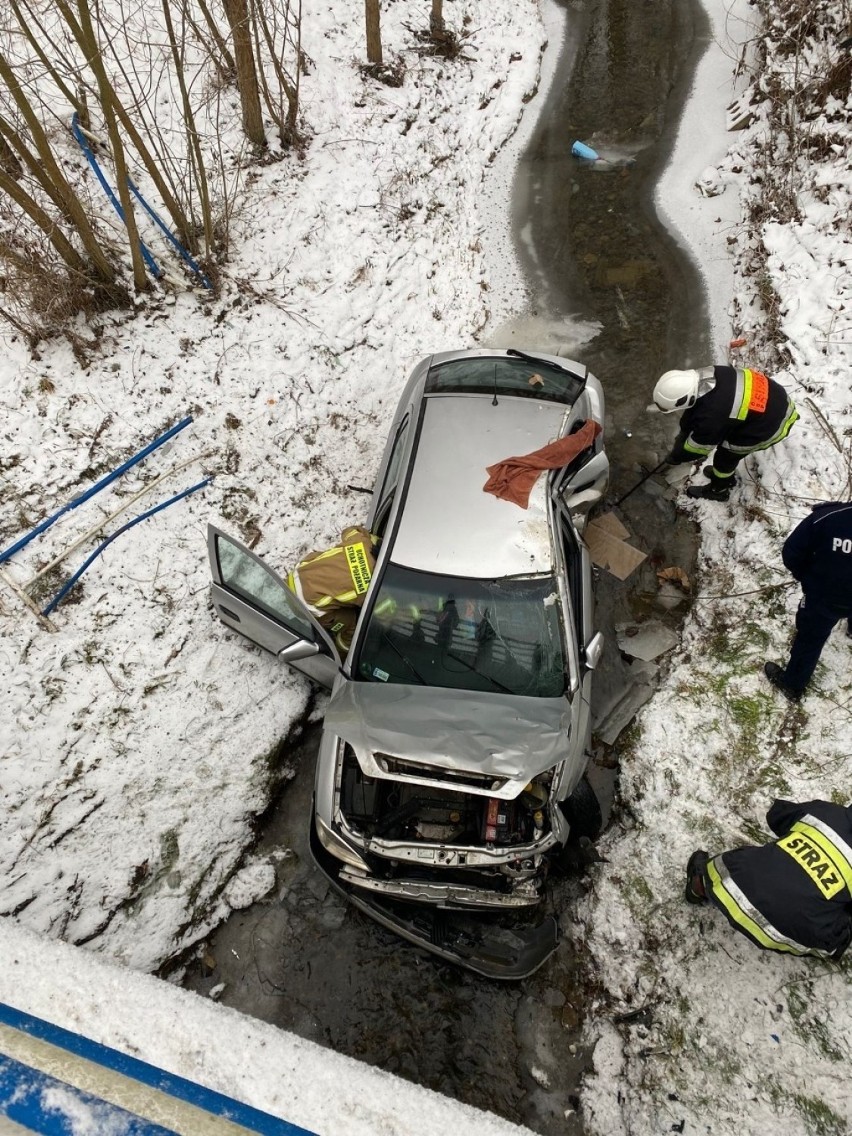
(194, 147)
(285, 120)
(374, 31)
(115, 67)
(39, 37)
(436, 20)
(62, 193)
(93, 52)
(237, 15)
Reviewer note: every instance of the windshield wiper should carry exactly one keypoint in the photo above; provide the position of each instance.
(547, 363)
(482, 674)
(384, 635)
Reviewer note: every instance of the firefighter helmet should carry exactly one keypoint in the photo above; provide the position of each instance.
(676, 390)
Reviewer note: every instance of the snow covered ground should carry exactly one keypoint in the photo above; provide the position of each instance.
(140, 739)
(731, 1039)
(208, 1045)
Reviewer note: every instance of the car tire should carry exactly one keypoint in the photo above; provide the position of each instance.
(582, 810)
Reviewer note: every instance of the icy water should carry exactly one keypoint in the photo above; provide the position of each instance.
(595, 256)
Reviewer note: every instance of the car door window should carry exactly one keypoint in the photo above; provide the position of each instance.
(250, 579)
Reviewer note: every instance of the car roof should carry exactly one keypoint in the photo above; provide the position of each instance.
(448, 525)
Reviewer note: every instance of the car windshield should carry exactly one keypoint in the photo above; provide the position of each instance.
(485, 635)
(527, 378)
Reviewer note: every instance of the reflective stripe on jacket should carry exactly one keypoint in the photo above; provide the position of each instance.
(743, 411)
(794, 894)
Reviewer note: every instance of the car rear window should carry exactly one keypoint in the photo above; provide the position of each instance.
(505, 376)
(499, 635)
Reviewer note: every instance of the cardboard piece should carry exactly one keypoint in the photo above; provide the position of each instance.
(608, 547)
(646, 641)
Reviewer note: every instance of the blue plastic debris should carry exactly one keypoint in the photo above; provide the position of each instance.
(581, 150)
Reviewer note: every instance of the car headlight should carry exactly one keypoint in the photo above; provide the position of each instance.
(337, 847)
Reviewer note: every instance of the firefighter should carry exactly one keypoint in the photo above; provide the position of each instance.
(793, 894)
(333, 583)
(818, 553)
(732, 409)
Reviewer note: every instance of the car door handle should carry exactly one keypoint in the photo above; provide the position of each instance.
(229, 614)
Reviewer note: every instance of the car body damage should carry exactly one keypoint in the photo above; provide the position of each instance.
(457, 731)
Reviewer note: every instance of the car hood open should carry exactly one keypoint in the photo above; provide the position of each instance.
(495, 734)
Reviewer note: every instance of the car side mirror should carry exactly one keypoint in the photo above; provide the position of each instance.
(301, 649)
(594, 650)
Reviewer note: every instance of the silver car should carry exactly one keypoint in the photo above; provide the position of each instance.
(451, 768)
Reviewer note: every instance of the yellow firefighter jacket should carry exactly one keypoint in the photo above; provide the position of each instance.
(336, 578)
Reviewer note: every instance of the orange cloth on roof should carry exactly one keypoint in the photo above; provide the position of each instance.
(513, 478)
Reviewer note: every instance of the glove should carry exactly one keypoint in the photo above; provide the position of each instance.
(678, 455)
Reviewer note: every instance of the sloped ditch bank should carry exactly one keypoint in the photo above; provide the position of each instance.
(301, 958)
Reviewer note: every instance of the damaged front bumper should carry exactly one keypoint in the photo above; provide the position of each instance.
(506, 947)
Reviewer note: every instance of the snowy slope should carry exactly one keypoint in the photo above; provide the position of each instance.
(734, 1040)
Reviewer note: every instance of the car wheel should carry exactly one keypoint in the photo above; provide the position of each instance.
(583, 812)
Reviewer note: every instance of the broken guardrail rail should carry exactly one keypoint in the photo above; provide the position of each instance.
(96, 488)
(69, 584)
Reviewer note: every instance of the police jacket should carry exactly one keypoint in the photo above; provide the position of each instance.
(818, 552)
(336, 577)
(743, 410)
(795, 894)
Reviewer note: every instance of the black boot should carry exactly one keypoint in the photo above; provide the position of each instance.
(775, 674)
(710, 492)
(695, 891)
(719, 488)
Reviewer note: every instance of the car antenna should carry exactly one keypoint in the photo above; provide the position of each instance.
(494, 399)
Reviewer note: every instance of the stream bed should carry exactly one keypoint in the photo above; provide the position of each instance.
(595, 257)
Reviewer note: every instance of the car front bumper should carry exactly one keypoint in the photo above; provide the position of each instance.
(505, 947)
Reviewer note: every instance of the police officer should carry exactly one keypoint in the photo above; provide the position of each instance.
(734, 409)
(818, 552)
(792, 895)
(333, 583)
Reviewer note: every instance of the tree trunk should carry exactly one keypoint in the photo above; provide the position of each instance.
(149, 160)
(47, 224)
(71, 205)
(236, 12)
(33, 164)
(287, 121)
(374, 31)
(227, 60)
(95, 59)
(191, 133)
(436, 20)
(9, 160)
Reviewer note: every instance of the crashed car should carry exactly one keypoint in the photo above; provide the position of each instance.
(451, 768)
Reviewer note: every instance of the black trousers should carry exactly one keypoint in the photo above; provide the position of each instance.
(726, 461)
(815, 620)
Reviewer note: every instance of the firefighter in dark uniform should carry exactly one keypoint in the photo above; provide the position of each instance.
(333, 583)
(818, 552)
(732, 409)
(792, 895)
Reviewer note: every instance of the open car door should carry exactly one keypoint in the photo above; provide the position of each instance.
(254, 600)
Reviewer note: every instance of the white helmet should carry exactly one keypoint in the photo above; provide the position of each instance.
(676, 390)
